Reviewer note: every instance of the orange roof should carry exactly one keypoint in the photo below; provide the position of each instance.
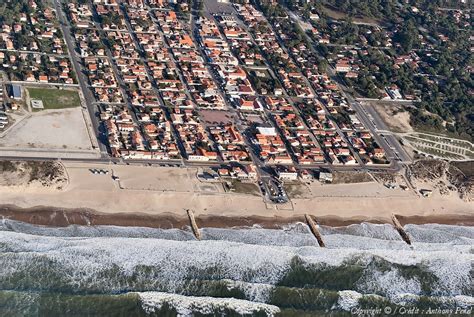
(186, 39)
(172, 15)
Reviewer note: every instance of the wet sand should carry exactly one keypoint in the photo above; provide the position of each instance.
(60, 217)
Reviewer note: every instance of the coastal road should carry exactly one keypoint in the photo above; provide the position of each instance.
(387, 136)
(28, 156)
(371, 119)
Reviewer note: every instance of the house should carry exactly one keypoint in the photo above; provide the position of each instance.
(282, 159)
(223, 172)
(379, 153)
(14, 106)
(287, 173)
(30, 77)
(240, 173)
(351, 75)
(394, 92)
(343, 66)
(251, 171)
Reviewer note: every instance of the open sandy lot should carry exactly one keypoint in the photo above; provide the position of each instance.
(158, 179)
(142, 178)
(360, 190)
(393, 115)
(213, 6)
(49, 129)
(215, 116)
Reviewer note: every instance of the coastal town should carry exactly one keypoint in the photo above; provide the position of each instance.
(274, 158)
(243, 89)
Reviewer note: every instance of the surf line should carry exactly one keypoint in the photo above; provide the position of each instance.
(314, 229)
(401, 231)
(194, 226)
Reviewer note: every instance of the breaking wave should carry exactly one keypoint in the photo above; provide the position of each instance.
(189, 305)
(244, 271)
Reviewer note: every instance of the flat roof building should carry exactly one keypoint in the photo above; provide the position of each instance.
(325, 177)
(267, 131)
(16, 92)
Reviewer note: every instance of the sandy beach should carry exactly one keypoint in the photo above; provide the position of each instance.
(60, 217)
(160, 196)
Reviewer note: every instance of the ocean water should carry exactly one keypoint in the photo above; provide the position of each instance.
(129, 271)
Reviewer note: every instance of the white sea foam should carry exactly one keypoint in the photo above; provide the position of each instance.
(254, 257)
(97, 231)
(256, 292)
(348, 299)
(445, 270)
(259, 236)
(188, 305)
(364, 236)
(389, 283)
(369, 230)
(435, 233)
(405, 299)
(464, 301)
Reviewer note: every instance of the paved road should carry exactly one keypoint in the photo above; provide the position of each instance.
(371, 120)
(178, 163)
(151, 78)
(179, 71)
(261, 169)
(288, 97)
(33, 52)
(313, 91)
(83, 81)
(117, 73)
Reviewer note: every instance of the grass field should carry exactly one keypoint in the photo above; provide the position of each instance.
(55, 98)
(245, 188)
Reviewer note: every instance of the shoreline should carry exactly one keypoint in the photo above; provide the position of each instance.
(63, 217)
